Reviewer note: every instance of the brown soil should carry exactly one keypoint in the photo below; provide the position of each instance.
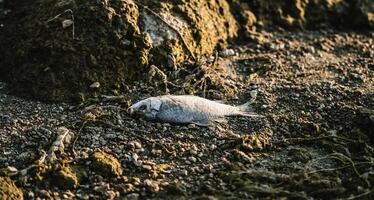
(314, 87)
(58, 50)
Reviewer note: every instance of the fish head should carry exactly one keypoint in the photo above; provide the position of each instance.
(147, 108)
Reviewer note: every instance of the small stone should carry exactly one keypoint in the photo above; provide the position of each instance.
(227, 53)
(184, 172)
(193, 152)
(147, 167)
(95, 85)
(153, 186)
(66, 23)
(191, 126)
(133, 196)
(12, 169)
(137, 145)
(371, 118)
(192, 159)
(135, 157)
(31, 195)
(253, 94)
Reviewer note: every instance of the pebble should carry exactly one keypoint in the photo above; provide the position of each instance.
(183, 172)
(371, 118)
(95, 85)
(227, 53)
(12, 169)
(133, 196)
(135, 156)
(192, 159)
(193, 152)
(253, 94)
(67, 23)
(152, 185)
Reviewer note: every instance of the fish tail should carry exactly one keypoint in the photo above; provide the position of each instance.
(247, 110)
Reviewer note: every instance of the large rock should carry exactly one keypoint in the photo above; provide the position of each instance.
(73, 49)
(56, 49)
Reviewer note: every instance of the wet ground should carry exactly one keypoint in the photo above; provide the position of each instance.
(315, 90)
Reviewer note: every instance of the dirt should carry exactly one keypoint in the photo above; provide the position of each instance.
(110, 43)
(75, 50)
(315, 89)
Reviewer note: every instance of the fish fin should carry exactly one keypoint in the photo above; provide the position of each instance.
(247, 110)
(201, 124)
(221, 121)
(246, 107)
(219, 101)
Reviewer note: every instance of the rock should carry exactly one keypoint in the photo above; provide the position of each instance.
(253, 94)
(136, 144)
(227, 53)
(95, 85)
(67, 23)
(152, 186)
(8, 190)
(106, 164)
(133, 196)
(192, 159)
(183, 172)
(12, 169)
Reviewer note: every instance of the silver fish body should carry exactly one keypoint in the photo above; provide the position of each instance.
(186, 109)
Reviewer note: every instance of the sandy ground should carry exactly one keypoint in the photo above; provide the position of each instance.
(315, 90)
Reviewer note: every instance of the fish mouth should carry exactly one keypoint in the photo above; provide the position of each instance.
(134, 113)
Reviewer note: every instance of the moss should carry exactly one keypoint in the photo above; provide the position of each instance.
(106, 164)
(61, 174)
(67, 177)
(8, 190)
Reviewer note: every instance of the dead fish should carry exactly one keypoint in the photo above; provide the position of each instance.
(186, 109)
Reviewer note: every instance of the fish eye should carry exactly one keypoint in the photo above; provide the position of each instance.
(142, 107)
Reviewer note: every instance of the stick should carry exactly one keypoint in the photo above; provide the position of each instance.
(64, 136)
(312, 139)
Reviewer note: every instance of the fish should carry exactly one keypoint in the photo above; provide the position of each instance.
(187, 109)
